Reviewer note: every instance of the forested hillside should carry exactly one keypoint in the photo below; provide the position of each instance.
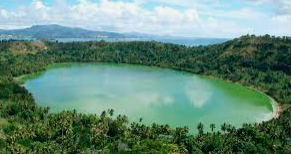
(262, 62)
(57, 31)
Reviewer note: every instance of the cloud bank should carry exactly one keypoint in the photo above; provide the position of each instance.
(191, 18)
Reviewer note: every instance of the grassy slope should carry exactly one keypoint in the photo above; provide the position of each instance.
(24, 47)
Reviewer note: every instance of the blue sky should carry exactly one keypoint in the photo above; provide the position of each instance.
(190, 18)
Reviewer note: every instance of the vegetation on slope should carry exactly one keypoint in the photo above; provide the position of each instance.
(57, 31)
(262, 62)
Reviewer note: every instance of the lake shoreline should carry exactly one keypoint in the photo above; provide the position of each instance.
(276, 107)
(278, 110)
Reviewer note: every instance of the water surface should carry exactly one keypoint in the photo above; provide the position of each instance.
(174, 40)
(157, 95)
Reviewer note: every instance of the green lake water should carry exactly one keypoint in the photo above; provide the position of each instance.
(157, 95)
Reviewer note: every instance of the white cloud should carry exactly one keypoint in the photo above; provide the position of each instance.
(196, 19)
(38, 5)
(196, 96)
(4, 14)
(284, 7)
(281, 6)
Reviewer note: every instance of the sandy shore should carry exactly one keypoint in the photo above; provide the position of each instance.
(276, 109)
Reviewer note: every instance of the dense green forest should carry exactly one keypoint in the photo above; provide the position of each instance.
(261, 62)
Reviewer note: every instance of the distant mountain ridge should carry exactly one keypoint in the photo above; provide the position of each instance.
(57, 31)
(67, 34)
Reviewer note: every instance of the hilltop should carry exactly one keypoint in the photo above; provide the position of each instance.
(56, 31)
(23, 47)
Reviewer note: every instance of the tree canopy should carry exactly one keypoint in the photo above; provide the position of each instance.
(262, 62)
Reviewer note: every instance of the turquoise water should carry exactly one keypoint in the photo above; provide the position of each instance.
(157, 95)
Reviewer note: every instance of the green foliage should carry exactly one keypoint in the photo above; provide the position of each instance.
(260, 62)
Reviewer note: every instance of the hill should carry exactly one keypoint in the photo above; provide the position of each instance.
(56, 31)
(23, 47)
(261, 62)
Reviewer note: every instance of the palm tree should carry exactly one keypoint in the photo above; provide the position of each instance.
(223, 127)
(111, 112)
(212, 126)
(200, 128)
(229, 128)
(103, 114)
